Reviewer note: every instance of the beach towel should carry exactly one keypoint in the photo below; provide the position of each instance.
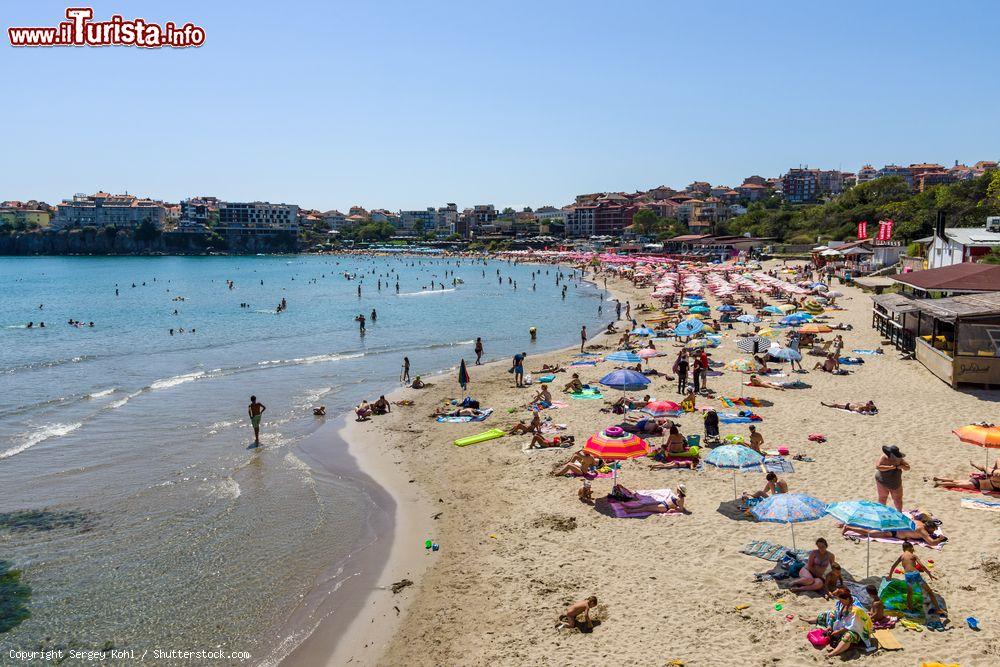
(736, 418)
(867, 351)
(772, 552)
(850, 361)
(733, 401)
(583, 363)
(463, 420)
(587, 394)
(778, 464)
(628, 509)
(851, 535)
(547, 378)
(972, 491)
(980, 504)
(859, 593)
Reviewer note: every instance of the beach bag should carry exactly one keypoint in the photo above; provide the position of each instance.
(818, 638)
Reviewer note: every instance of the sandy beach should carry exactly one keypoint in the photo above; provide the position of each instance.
(516, 544)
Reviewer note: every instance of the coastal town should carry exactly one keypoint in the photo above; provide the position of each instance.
(699, 216)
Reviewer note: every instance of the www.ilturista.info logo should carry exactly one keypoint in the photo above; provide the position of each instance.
(80, 30)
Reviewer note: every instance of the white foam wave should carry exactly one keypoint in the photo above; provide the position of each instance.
(122, 401)
(428, 291)
(102, 393)
(166, 383)
(41, 434)
(227, 488)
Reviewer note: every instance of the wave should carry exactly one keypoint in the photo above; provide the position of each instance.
(41, 434)
(102, 393)
(36, 365)
(166, 383)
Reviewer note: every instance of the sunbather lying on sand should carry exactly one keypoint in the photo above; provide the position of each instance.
(924, 530)
(581, 463)
(861, 408)
(460, 412)
(538, 441)
(673, 505)
(644, 426)
(767, 384)
(988, 484)
(550, 368)
(520, 428)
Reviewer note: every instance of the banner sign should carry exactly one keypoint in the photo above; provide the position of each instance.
(884, 230)
(862, 230)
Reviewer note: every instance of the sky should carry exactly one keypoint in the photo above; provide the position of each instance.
(387, 104)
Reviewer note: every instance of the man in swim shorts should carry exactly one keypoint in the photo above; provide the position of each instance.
(255, 411)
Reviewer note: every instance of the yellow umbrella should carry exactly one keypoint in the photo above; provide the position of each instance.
(814, 329)
(786, 307)
(769, 333)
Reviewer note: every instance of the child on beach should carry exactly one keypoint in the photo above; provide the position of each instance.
(911, 573)
(571, 619)
(877, 610)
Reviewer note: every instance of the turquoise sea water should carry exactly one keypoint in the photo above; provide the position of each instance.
(128, 499)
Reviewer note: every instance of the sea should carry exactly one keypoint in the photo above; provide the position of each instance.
(132, 513)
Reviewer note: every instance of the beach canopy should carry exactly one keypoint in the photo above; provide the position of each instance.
(647, 353)
(689, 327)
(662, 409)
(790, 508)
(812, 328)
(734, 457)
(614, 444)
(983, 435)
(624, 356)
(871, 515)
(748, 319)
(625, 379)
(699, 309)
(753, 344)
(643, 331)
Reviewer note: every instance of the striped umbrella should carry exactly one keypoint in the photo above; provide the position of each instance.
(689, 327)
(748, 319)
(614, 444)
(983, 435)
(790, 508)
(624, 356)
(662, 409)
(643, 331)
(753, 344)
(871, 515)
(734, 457)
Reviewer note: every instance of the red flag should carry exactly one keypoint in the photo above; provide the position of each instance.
(888, 230)
(862, 230)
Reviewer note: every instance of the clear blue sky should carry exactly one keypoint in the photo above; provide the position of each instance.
(413, 104)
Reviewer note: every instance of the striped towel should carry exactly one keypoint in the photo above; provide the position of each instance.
(980, 504)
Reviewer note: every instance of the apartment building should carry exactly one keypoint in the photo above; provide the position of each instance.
(257, 218)
(102, 209)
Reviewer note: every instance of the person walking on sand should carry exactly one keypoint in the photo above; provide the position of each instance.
(404, 377)
(911, 574)
(583, 337)
(255, 410)
(479, 351)
(889, 475)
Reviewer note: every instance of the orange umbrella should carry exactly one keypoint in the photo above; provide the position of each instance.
(814, 329)
(981, 435)
(615, 444)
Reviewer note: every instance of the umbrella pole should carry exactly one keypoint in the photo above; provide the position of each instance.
(792, 526)
(734, 483)
(868, 560)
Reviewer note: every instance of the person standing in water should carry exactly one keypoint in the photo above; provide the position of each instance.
(374, 315)
(255, 410)
(583, 337)
(404, 377)
(479, 351)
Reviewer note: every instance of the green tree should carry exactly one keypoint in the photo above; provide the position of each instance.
(146, 232)
(644, 222)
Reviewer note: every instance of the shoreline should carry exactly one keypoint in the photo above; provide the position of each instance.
(363, 628)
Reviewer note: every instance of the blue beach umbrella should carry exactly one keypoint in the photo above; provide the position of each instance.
(643, 331)
(726, 308)
(699, 309)
(625, 379)
(786, 354)
(748, 319)
(790, 508)
(774, 310)
(734, 457)
(795, 318)
(624, 356)
(689, 327)
(871, 515)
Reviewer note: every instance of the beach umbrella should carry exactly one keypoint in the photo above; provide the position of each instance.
(643, 331)
(734, 457)
(984, 435)
(624, 356)
(615, 444)
(813, 308)
(699, 309)
(790, 508)
(748, 319)
(647, 353)
(753, 344)
(699, 343)
(812, 328)
(768, 333)
(726, 308)
(871, 515)
(785, 354)
(662, 409)
(625, 379)
(463, 375)
(786, 307)
(689, 327)
(795, 319)
(774, 310)
(742, 365)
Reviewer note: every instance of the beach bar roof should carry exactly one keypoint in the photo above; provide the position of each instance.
(960, 307)
(965, 277)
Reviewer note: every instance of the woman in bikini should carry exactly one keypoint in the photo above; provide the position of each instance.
(812, 577)
(889, 475)
(988, 484)
(861, 408)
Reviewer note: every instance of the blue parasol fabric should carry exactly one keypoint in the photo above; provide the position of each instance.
(625, 379)
(726, 308)
(774, 310)
(785, 354)
(624, 356)
(748, 319)
(643, 331)
(689, 327)
(790, 508)
(871, 515)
